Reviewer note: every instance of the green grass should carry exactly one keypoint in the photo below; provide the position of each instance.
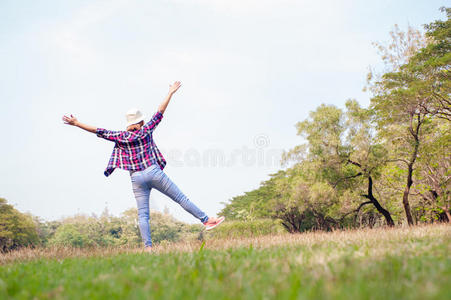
(369, 264)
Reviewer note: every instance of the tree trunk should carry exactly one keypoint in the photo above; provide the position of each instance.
(445, 208)
(405, 197)
(448, 215)
(376, 203)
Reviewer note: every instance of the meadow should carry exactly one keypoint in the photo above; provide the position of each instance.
(383, 263)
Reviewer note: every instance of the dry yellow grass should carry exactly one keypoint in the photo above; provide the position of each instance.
(377, 241)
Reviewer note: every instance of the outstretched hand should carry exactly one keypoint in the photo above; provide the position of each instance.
(70, 120)
(174, 87)
(74, 122)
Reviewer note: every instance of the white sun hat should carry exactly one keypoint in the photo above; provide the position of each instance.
(134, 116)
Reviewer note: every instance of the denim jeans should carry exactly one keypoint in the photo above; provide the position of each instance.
(154, 177)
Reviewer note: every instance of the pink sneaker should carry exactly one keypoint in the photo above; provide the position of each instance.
(213, 222)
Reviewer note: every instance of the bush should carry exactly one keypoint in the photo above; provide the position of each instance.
(237, 229)
(69, 235)
(164, 227)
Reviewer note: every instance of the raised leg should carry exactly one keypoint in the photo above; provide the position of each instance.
(161, 182)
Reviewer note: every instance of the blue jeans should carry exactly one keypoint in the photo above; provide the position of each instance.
(154, 177)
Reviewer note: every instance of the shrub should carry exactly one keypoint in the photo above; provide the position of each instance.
(236, 229)
(69, 235)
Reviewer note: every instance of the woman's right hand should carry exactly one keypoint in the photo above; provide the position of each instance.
(70, 120)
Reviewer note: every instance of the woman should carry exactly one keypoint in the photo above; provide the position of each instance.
(136, 152)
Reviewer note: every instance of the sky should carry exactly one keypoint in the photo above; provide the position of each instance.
(250, 70)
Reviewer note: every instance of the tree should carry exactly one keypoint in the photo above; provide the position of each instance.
(431, 66)
(16, 229)
(400, 119)
(70, 235)
(302, 203)
(434, 176)
(414, 92)
(254, 204)
(344, 150)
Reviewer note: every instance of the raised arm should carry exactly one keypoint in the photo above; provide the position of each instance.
(172, 89)
(74, 122)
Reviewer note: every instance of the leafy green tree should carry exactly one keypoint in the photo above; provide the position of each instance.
(434, 171)
(70, 235)
(16, 229)
(430, 68)
(344, 149)
(302, 203)
(46, 229)
(408, 99)
(254, 204)
(130, 231)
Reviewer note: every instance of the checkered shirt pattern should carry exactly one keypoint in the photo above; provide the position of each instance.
(134, 150)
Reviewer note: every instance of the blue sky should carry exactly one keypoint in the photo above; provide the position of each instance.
(250, 70)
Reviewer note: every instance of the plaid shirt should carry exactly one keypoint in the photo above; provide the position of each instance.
(134, 150)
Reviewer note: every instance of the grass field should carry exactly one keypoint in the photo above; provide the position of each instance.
(401, 263)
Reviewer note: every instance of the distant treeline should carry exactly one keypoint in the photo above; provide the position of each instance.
(19, 230)
(24, 230)
(385, 164)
